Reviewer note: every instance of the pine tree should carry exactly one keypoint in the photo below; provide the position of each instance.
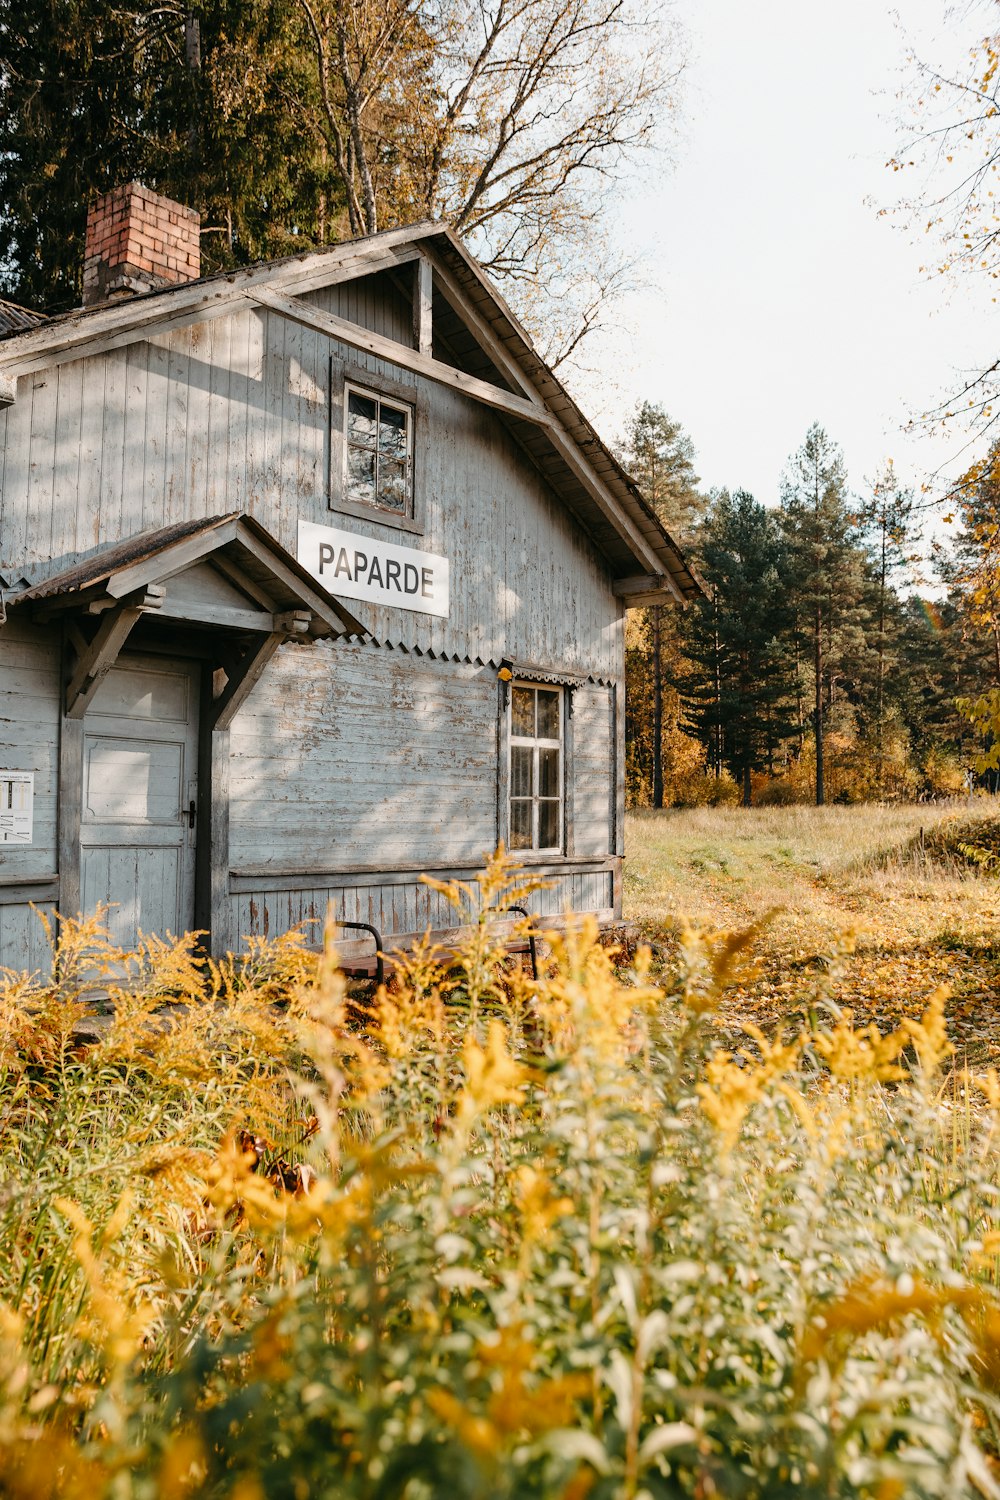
(826, 576)
(659, 456)
(972, 569)
(745, 683)
(208, 102)
(886, 524)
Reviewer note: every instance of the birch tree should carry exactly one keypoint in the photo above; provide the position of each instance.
(951, 142)
(508, 119)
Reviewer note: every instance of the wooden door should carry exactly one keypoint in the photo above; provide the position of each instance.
(140, 763)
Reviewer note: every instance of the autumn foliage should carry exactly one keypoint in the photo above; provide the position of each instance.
(487, 1235)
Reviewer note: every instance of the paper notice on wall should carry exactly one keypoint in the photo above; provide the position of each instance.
(17, 796)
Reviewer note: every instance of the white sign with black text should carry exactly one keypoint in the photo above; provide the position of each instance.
(358, 567)
(17, 795)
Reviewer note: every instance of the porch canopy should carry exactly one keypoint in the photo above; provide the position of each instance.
(225, 575)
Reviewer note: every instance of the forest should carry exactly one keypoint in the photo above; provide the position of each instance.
(842, 643)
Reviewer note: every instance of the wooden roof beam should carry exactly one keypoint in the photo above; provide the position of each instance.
(166, 561)
(645, 588)
(423, 301)
(568, 451)
(356, 337)
(94, 330)
(639, 583)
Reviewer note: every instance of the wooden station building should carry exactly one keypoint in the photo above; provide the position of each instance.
(312, 578)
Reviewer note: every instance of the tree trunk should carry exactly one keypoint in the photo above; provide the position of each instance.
(657, 709)
(799, 713)
(820, 789)
(880, 682)
(747, 785)
(718, 688)
(192, 59)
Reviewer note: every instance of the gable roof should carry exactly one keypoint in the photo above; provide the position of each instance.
(118, 571)
(492, 352)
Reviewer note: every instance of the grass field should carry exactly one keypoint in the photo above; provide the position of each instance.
(859, 910)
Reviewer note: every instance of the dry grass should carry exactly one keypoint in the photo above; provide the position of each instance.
(856, 903)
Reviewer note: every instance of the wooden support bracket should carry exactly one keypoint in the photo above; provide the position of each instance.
(245, 674)
(293, 622)
(95, 660)
(641, 588)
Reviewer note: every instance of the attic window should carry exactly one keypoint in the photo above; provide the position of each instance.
(379, 452)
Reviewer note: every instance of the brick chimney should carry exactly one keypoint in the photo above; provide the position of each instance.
(137, 241)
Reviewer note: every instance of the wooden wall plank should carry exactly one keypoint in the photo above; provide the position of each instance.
(175, 397)
(108, 520)
(136, 403)
(155, 479)
(29, 738)
(41, 476)
(65, 477)
(24, 946)
(88, 498)
(592, 772)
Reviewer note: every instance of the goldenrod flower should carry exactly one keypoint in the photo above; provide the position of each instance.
(492, 1076)
(930, 1034)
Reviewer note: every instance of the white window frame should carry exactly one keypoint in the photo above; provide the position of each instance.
(536, 743)
(398, 404)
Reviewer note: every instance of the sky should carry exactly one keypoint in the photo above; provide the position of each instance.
(779, 296)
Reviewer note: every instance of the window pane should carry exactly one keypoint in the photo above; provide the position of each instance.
(392, 485)
(548, 773)
(521, 767)
(392, 432)
(548, 825)
(360, 475)
(548, 714)
(522, 712)
(362, 419)
(520, 825)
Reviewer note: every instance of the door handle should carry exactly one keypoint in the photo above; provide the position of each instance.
(192, 812)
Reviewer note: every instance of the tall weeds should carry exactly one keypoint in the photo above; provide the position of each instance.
(489, 1236)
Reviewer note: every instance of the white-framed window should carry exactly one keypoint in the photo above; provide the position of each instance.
(378, 451)
(536, 766)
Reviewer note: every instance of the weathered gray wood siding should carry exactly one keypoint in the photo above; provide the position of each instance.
(24, 944)
(403, 908)
(592, 772)
(380, 757)
(235, 414)
(29, 739)
(348, 756)
(354, 758)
